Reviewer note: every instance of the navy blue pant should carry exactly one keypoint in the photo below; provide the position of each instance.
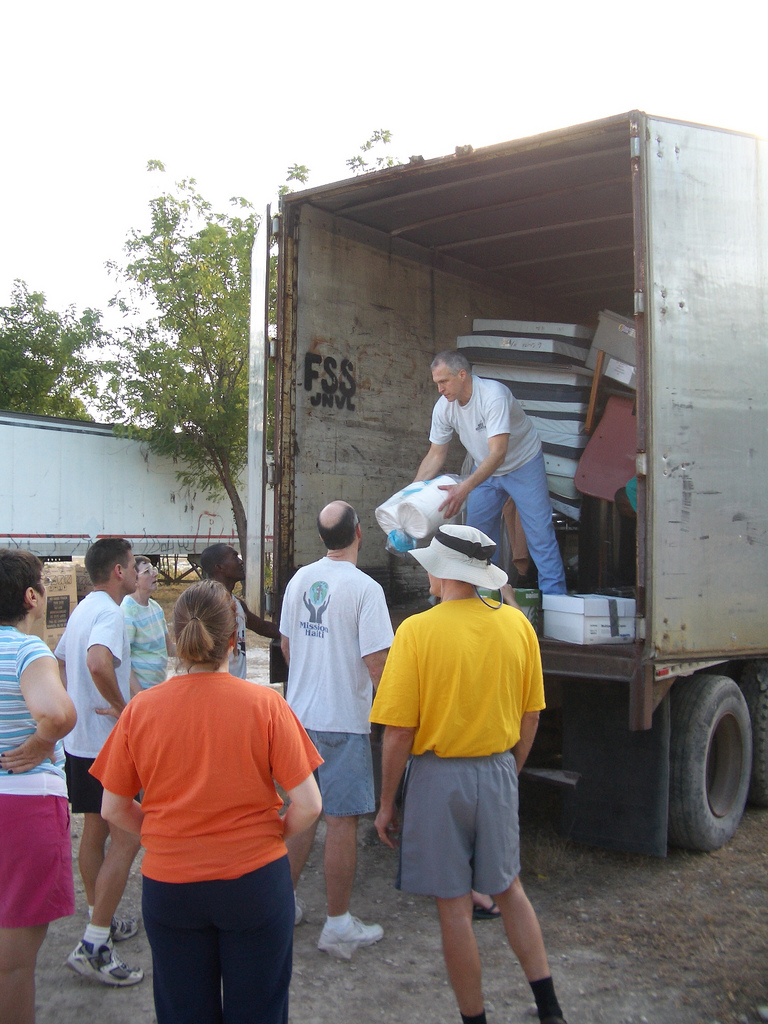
(222, 951)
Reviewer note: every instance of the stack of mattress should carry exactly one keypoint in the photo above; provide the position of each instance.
(527, 341)
(554, 391)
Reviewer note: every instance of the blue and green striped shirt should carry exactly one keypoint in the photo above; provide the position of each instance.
(146, 629)
(17, 652)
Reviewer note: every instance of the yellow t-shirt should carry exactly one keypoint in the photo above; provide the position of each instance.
(462, 674)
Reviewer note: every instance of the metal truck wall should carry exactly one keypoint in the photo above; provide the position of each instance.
(368, 326)
(707, 318)
(65, 484)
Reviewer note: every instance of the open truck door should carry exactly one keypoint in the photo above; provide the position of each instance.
(257, 417)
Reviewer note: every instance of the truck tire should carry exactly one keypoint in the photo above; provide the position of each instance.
(754, 686)
(710, 761)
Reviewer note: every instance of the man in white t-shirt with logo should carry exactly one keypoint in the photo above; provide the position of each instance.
(95, 665)
(336, 632)
(508, 461)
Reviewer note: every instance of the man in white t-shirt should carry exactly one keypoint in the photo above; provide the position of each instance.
(95, 666)
(508, 461)
(222, 563)
(336, 632)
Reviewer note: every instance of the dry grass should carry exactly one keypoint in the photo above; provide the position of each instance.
(167, 594)
(546, 856)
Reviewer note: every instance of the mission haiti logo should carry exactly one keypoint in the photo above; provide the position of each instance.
(316, 601)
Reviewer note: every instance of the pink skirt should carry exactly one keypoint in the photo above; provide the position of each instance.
(35, 860)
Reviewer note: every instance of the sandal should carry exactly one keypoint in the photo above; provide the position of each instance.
(485, 913)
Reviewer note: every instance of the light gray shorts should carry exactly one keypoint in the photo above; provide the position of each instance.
(460, 825)
(345, 777)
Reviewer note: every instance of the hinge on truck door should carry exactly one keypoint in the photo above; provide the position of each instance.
(639, 302)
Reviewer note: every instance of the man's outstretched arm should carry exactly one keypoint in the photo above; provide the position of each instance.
(258, 625)
(396, 748)
(432, 462)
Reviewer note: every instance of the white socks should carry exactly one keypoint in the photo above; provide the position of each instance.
(96, 936)
(339, 924)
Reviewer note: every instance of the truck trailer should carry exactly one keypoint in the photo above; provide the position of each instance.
(68, 482)
(660, 222)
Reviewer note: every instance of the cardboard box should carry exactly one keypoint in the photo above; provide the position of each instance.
(61, 595)
(589, 618)
(615, 335)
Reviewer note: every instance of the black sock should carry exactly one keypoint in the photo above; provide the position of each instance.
(546, 1000)
(479, 1019)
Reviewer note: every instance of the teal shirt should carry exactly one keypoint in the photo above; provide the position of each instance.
(631, 491)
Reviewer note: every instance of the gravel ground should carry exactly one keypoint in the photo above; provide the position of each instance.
(631, 939)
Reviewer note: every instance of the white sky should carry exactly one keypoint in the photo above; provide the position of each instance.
(233, 93)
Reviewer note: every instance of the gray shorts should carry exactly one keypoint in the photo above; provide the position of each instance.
(460, 825)
(346, 776)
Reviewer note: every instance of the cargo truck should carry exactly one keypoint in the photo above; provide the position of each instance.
(664, 224)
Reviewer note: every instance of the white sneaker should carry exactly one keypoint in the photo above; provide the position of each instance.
(102, 965)
(300, 907)
(123, 928)
(342, 944)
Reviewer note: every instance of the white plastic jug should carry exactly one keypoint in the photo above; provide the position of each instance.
(416, 508)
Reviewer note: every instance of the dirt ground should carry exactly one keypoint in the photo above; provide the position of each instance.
(631, 939)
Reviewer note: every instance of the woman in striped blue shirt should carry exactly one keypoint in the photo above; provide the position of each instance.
(35, 852)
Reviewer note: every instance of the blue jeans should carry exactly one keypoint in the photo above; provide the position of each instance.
(527, 487)
(345, 777)
(222, 951)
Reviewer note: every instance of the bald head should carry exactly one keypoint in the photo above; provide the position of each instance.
(337, 525)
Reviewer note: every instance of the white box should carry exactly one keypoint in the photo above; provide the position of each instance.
(618, 370)
(589, 618)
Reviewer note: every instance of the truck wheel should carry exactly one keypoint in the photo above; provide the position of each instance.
(754, 686)
(710, 758)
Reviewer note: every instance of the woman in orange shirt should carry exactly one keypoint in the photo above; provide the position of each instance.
(217, 897)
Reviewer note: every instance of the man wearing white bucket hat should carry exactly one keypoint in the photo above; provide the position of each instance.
(508, 461)
(460, 697)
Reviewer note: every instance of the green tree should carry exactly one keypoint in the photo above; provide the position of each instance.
(179, 379)
(362, 164)
(44, 356)
(296, 172)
